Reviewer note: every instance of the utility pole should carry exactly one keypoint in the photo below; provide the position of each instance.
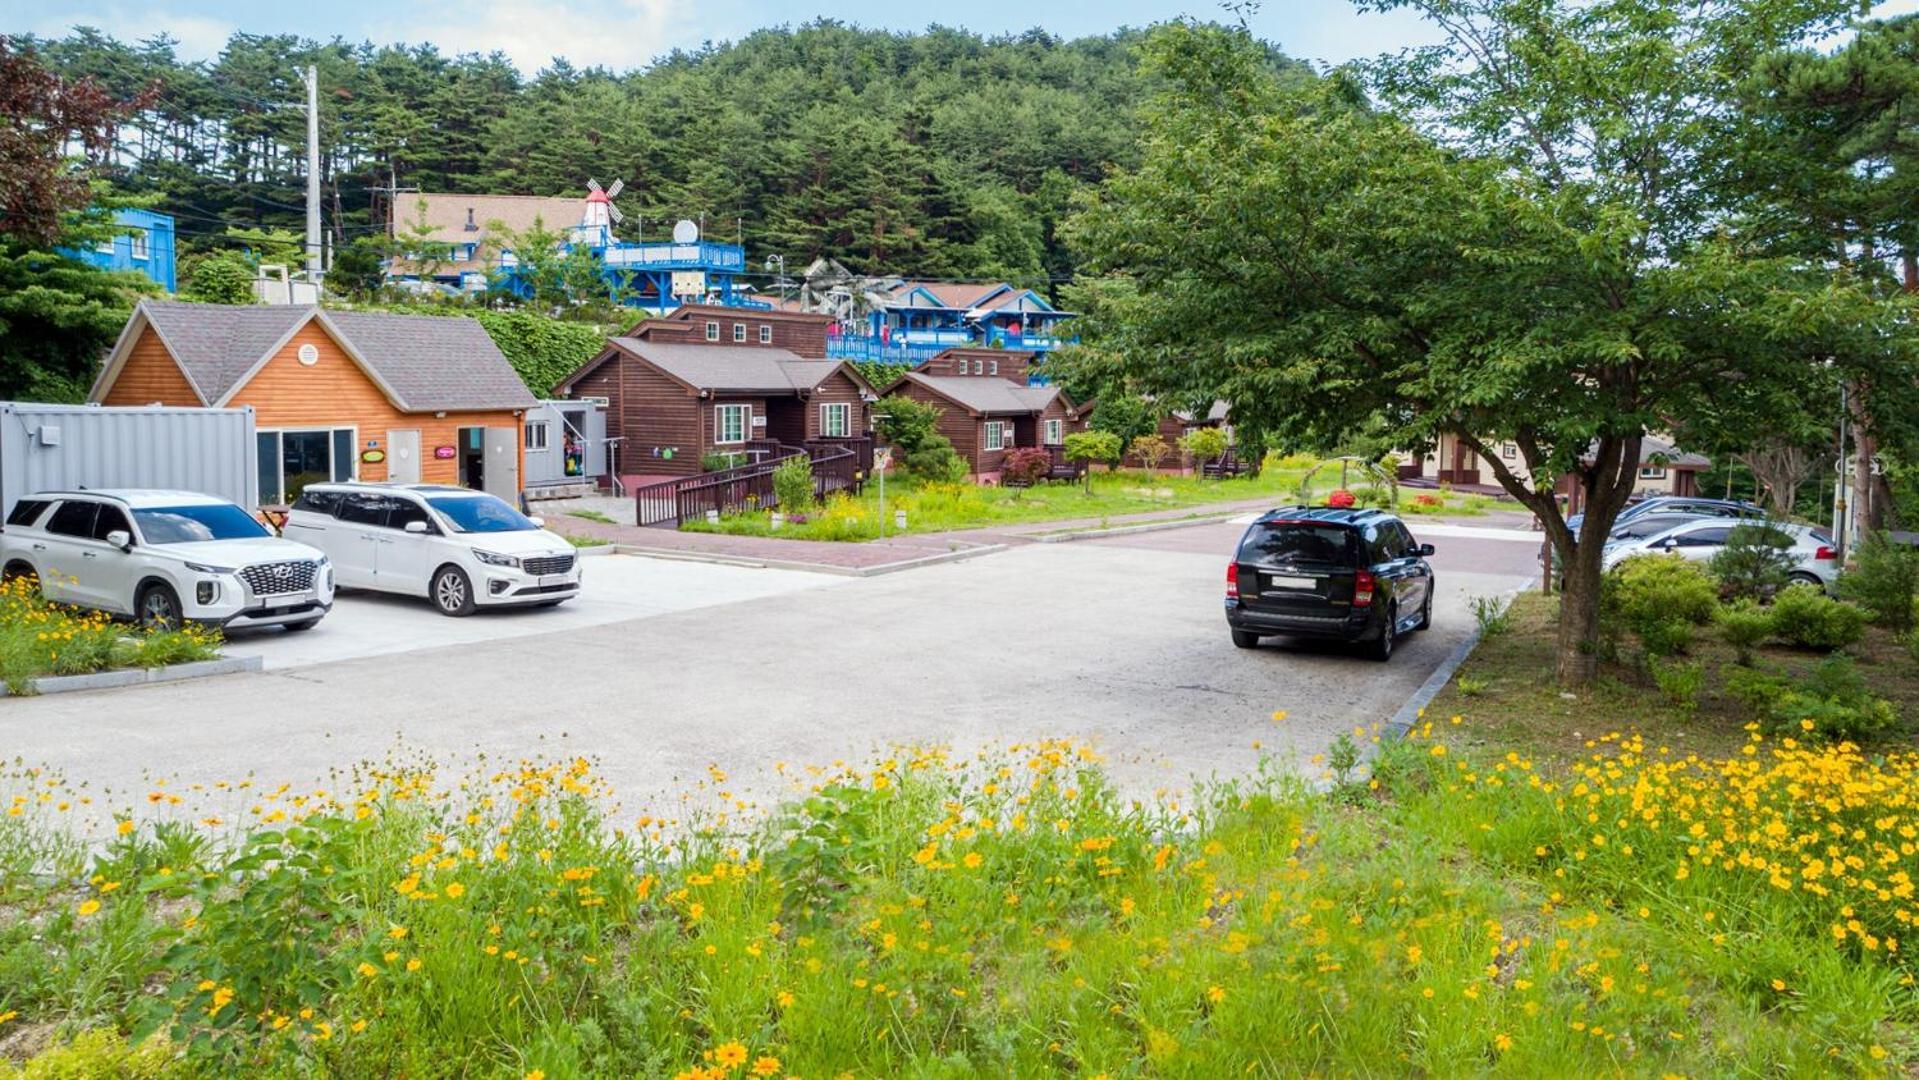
(313, 173)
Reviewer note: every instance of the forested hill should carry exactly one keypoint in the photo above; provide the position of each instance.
(941, 154)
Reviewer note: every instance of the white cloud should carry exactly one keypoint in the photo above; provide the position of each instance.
(620, 34)
(201, 37)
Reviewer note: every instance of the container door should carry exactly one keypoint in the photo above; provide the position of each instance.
(502, 477)
(403, 456)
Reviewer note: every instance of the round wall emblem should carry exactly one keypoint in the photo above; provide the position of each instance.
(309, 355)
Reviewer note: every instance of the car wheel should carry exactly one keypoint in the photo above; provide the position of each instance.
(452, 592)
(1426, 614)
(1245, 639)
(1803, 578)
(159, 608)
(1382, 647)
(19, 571)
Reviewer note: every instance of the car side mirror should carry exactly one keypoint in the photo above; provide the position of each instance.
(538, 522)
(417, 528)
(1668, 544)
(1425, 549)
(121, 539)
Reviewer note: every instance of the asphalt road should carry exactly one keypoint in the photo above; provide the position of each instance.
(1118, 640)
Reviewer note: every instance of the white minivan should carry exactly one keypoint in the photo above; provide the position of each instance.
(460, 548)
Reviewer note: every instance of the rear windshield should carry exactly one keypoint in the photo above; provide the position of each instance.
(1299, 542)
(189, 524)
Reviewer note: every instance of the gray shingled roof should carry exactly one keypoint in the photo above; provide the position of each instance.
(733, 368)
(430, 362)
(988, 395)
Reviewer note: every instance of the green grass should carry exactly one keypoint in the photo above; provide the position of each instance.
(591, 515)
(38, 638)
(943, 507)
(1005, 915)
(586, 541)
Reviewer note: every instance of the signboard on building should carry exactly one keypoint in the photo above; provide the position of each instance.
(444, 452)
(689, 283)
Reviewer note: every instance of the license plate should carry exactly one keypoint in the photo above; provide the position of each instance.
(553, 579)
(1287, 581)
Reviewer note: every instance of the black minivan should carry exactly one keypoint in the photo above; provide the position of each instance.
(1348, 575)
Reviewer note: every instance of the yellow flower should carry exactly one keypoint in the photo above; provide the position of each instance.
(367, 969)
(1779, 985)
(88, 907)
(1215, 994)
(972, 860)
(535, 1074)
(732, 1055)
(766, 1066)
(1503, 1042)
(124, 827)
(454, 890)
(396, 933)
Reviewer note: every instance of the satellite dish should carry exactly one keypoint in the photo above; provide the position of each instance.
(685, 232)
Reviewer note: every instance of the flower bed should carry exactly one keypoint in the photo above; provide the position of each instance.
(1645, 913)
(40, 638)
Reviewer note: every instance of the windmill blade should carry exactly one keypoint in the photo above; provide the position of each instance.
(614, 213)
(592, 185)
(614, 191)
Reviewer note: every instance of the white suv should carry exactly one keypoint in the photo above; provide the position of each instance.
(164, 557)
(458, 547)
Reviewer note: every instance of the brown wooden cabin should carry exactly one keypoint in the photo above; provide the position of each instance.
(986, 414)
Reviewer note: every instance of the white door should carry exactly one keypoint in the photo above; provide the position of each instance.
(502, 479)
(114, 572)
(403, 456)
(354, 540)
(64, 576)
(407, 560)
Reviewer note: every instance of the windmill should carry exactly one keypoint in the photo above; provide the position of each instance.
(600, 212)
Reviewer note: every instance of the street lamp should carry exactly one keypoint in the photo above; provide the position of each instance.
(779, 281)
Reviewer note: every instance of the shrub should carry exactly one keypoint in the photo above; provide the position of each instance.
(720, 462)
(1805, 616)
(1884, 580)
(1295, 461)
(910, 425)
(1090, 446)
(1377, 497)
(793, 484)
(935, 461)
(1832, 701)
(1654, 595)
(1151, 449)
(1743, 625)
(1205, 444)
(1024, 466)
(1680, 682)
(842, 518)
(1493, 614)
(1755, 563)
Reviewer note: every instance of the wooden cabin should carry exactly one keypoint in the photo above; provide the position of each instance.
(986, 414)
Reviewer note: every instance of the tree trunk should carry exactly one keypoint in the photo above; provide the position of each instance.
(1578, 644)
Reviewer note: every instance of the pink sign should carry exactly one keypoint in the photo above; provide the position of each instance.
(443, 452)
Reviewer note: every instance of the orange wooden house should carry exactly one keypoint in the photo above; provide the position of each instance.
(336, 395)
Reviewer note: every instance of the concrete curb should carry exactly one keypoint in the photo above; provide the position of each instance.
(1408, 714)
(808, 567)
(107, 680)
(608, 548)
(1128, 530)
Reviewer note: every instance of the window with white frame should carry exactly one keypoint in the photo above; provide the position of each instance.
(1055, 431)
(730, 422)
(1508, 451)
(712, 331)
(979, 367)
(766, 335)
(995, 435)
(140, 244)
(739, 331)
(1652, 472)
(287, 461)
(992, 368)
(836, 420)
(536, 434)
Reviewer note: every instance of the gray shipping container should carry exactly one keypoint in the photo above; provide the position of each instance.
(63, 447)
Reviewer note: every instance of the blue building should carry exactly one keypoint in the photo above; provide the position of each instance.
(145, 246)
(917, 320)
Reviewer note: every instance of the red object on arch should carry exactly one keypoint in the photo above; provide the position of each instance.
(1340, 499)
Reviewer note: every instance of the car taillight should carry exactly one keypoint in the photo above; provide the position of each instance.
(1232, 581)
(1363, 589)
(1825, 554)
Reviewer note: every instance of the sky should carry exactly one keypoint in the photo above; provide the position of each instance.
(625, 34)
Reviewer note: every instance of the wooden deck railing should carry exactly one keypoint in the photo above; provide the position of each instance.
(670, 503)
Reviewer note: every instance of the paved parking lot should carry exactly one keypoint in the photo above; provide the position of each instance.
(674, 666)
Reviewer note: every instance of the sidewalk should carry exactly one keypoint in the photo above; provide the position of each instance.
(911, 549)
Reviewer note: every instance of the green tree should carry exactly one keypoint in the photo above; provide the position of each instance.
(1207, 445)
(1127, 416)
(1536, 262)
(1090, 446)
(222, 277)
(359, 268)
(58, 316)
(1151, 449)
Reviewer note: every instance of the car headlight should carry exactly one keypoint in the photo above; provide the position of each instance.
(203, 568)
(491, 559)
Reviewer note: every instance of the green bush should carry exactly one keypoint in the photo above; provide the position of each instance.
(910, 425)
(1494, 614)
(99, 1053)
(1743, 625)
(1659, 598)
(935, 461)
(1756, 562)
(1831, 702)
(793, 484)
(1667, 637)
(1884, 580)
(1805, 616)
(1680, 682)
(720, 462)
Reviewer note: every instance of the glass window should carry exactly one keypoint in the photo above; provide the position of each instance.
(835, 419)
(140, 244)
(1508, 451)
(266, 457)
(712, 331)
(403, 511)
(1055, 432)
(995, 435)
(363, 510)
(110, 519)
(1652, 472)
(26, 511)
(730, 423)
(739, 331)
(318, 502)
(188, 524)
(766, 335)
(1299, 542)
(1712, 537)
(480, 514)
(536, 435)
(343, 454)
(73, 518)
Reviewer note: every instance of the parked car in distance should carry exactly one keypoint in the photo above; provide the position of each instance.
(1652, 525)
(1678, 504)
(1702, 538)
(460, 548)
(1343, 574)
(165, 558)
